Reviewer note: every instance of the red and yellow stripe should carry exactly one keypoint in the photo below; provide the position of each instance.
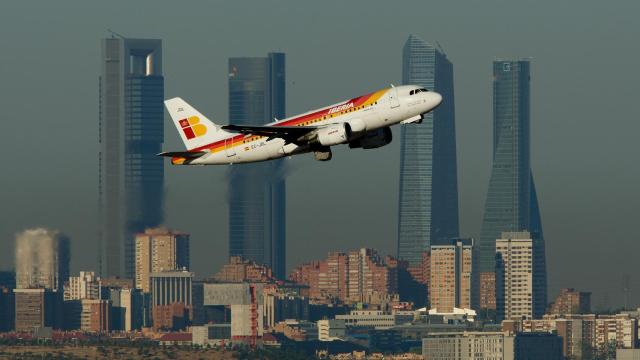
(304, 120)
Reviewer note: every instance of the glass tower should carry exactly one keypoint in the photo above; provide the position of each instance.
(257, 191)
(131, 186)
(511, 203)
(428, 196)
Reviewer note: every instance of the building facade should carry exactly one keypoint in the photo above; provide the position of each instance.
(452, 276)
(240, 270)
(570, 301)
(42, 259)
(257, 191)
(131, 133)
(159, 250)
(171, 287)
(84, 286)
(583, 335)
(428, 195)
(468, 345)
(518, 288)
(356, 276)
(35, 308)
(511, 203)
(95, 316)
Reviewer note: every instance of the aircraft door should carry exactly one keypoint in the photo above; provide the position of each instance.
(228, 147)
(393, 98)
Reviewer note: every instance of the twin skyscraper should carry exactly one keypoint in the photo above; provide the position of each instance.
(428, 197)
(131, 133)
(131, 186)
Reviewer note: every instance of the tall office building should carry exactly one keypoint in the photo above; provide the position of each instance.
(519, 289)
(131, 134)
(159, 250)
(511, 203)
(257, 191)
(42, 259)
(428, 198)
(452, 276)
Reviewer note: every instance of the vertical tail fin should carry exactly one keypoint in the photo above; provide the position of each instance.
(194, 128)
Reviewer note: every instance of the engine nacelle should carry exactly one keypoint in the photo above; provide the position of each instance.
(356, 128)
(333, 134)
(373, 139)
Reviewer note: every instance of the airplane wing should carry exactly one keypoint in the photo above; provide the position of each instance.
(292, 134)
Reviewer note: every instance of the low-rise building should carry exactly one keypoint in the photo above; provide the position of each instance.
(174, 316)
(211, 334)
(95, 315)
(331, 329)
(37, 308)
(376, 319)
(468, 345)
(297, 330)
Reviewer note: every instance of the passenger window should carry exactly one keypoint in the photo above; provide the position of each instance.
(411, 92)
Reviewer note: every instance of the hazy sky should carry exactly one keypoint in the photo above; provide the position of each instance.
(584, 119)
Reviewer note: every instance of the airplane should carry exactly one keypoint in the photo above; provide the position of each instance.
(362, 122)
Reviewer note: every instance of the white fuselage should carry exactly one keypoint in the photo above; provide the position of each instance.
(377, 110)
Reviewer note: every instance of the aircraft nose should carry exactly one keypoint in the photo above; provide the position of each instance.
(434, 99)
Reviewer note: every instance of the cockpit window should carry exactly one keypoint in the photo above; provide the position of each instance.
(413, 92)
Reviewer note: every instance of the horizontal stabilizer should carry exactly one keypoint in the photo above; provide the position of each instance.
(183, 154)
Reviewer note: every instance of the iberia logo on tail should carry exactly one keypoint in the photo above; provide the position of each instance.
(192, 127)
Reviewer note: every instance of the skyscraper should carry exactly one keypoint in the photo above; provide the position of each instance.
(131, 134)
(512, 203)
(257, 191)
(42, 259)
(428, 196)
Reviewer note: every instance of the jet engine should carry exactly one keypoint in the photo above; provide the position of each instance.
(373, 139)
(333, 134)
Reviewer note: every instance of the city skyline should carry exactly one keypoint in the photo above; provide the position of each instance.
(561, 107)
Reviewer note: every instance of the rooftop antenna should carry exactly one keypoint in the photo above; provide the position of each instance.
(115, 34)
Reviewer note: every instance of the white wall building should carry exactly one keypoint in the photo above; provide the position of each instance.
(85, 286)
(468, 345)
(514, 276)
(241, 320)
